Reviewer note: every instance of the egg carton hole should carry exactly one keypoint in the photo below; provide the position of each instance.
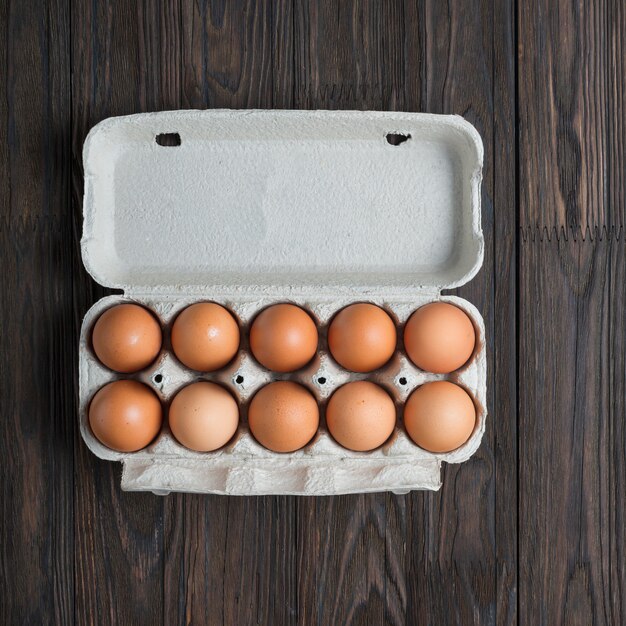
(396, 139)
(168, 140)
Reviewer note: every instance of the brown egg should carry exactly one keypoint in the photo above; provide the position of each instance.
(362, 337)
(283, 338)
(283, 416)
(125, 415)
(439, 416)
(361, 416)
(203, 416)
(439, 337)
(205, 337)
(126, 338)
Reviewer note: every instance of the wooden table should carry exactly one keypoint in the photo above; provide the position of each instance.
(531, 529)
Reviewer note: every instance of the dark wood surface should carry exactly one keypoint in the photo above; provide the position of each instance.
(531, 529)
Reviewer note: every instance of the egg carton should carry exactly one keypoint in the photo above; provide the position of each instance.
(251, 208)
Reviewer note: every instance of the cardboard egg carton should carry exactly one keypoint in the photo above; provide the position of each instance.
(251, 208)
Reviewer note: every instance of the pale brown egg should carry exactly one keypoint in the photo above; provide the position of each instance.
(205, 336)
(439, 338)
(283, 416)
(203, 416)
(126, 338)
(283, 338)
(361, 416)
(439, 416)
(362, 337)
(125, 415)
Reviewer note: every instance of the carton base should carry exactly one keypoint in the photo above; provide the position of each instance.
(271, 477)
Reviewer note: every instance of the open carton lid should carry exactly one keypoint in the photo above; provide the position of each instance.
(277, 201)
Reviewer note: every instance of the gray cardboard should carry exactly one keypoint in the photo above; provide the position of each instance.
(259, 207)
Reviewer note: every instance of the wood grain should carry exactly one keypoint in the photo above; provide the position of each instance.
(571, 376)
(350, 561)
(453, 532)
(614, 531)
(231, 561)
(572, 72)
(569, 470)
(37, 429)
(124, 60)
(504, 418)
(532, 529)
(356, 55)
(233, 52)
(36, 317)
(351, 569)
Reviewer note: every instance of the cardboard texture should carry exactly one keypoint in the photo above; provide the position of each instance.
(318, 208)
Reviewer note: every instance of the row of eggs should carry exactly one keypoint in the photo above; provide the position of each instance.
(283, 416)
(438, 337)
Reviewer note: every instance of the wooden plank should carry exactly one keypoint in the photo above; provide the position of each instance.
(357, 55)
(37, 465)
(615, 78)
(5, 163)
(571, 464)
(36, 359)
(236, 55)
(125, 59)
(232, 560)
(351, 559)
(572, 72)
(454, 572)
(35, 106)
(571, 380)
(615, 510)
(504, 330)
(352, 549)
